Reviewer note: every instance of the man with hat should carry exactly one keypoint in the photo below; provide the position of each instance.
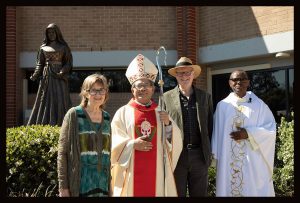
(138, 166)
(191, 108)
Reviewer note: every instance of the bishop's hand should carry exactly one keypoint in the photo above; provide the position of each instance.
(142, 145)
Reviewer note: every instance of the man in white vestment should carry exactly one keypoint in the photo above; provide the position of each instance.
(243, 142)
(139, 168)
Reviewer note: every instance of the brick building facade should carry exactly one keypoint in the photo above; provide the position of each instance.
(218, 38)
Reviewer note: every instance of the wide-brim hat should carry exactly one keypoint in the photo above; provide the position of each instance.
(185, 62)
(139, 68)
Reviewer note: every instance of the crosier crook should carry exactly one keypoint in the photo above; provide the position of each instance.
(161, 104)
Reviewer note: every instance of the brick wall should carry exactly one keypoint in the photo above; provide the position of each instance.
(100, 27)
(201, 81)
(11, 75)
(219, 24)
(187, 39)
(131, 28)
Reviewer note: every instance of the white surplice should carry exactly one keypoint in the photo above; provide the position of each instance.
(244, 168)
(122, 155)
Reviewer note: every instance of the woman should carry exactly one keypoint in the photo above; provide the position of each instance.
(54, 62)
(85, 142)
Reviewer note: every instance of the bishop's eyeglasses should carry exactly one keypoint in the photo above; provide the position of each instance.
(140, 86)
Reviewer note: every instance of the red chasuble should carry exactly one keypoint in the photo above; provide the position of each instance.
(144, 183)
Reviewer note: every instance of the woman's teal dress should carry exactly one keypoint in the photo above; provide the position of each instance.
(95, 143)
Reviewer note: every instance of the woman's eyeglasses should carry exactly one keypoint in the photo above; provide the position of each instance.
(100, 91)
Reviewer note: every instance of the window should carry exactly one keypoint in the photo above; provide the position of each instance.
(169, 81)
(115, 77)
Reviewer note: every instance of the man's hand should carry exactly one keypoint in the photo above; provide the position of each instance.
(240, 134)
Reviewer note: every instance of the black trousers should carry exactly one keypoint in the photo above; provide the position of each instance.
(191, 173)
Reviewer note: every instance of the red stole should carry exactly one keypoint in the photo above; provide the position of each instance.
(144, 183)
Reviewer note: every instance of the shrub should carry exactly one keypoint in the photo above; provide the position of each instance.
(284, 161)
(31, 154)
(211, 182)
(31, 158)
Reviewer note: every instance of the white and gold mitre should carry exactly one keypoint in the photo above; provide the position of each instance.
(141, 67)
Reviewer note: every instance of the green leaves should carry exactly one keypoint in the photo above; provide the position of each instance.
(284, 162)
(212, 181)
(31, 158)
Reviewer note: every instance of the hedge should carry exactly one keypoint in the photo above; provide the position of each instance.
(284, 161)
(31, 154)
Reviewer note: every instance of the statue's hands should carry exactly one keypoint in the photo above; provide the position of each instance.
(33, 77)
(60, 74)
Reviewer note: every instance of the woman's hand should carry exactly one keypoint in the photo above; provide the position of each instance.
(64, 193)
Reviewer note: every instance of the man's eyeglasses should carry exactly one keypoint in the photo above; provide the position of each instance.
(180, 74)
(238, 79)
(140, 86)
(100, 91)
